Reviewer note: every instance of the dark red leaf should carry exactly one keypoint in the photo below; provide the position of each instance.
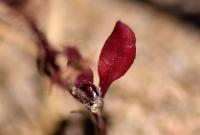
(90, 90)
(73, 55)
(84, 82)
(40, 37)
(84, 77)
(47, 55)
(117, 55)
(47, 63)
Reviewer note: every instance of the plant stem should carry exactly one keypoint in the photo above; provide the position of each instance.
(100, 124)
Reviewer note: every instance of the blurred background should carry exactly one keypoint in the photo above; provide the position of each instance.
(158, 96)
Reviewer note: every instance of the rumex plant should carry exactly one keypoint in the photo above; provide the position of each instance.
(116, 57)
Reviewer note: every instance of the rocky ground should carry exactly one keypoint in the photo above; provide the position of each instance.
(158, 96)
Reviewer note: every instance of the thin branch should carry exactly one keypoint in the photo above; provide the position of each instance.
(100, 123)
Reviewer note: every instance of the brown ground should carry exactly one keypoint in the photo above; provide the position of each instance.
(158, 96)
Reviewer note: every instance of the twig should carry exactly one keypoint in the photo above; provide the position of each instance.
(99, 121)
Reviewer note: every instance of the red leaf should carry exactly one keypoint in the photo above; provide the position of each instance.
(84, 77)
(117, 55)
(84, 82)
(73, 55)
(47, 63)
(46, 60)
